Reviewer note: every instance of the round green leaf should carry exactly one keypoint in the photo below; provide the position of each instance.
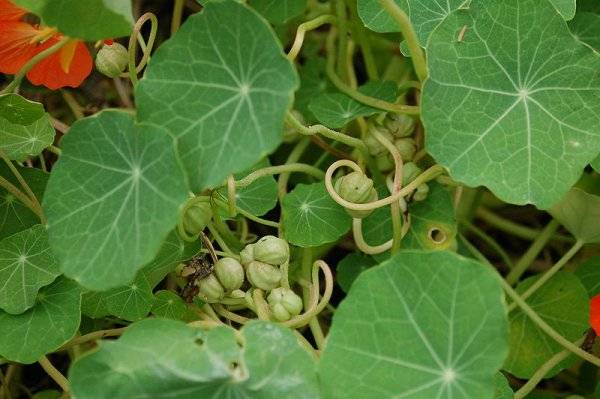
(420, 325)
(88, 20)
(131, 302)
(279, 11)
(169, 305)
(26, 265)
(44, 328)
(19, 110)
(350, 267)
(563, 303)
(589, 275)
(511, 107)
(337, 109)
(221, 86)
(14, 216)
(311, 217)
(20, 142)
(112, 198)
(579, 212)
(503, 390)
(166, 359)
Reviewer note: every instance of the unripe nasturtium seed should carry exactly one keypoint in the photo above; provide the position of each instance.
(373, 145)
(263, 275)
(284, 303)
(399, 125)
(112, 59)
(356, 187)
(407, 147)
(230, 273)
(385, 163)
(410, 171)
(197, 217)
(210, 289)
(421, 192)
(272, 250)
(247, 254)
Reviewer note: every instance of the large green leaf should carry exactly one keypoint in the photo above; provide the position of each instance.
(566, 8)
(420, 325)
(112, 198)
(160, 358)
(26, 265)
(563, 303)
(221, 86)
(14, 215)
(350, 267)
(503, 390)
(311, 217)
(20, 142)
(88, 20)
(19, 110)
(279, 11)
(49, 324)
(337, 109)
(586, 27)
(579, 212)
(589, 275)
(596, 164)
(513, 105)
(425, 15)
(169, 305)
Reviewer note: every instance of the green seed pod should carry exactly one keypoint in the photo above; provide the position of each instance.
(407, 147)
(112, 59)
(263, 275)
(410, 171)
(230, 273)
(356, 187)
(421, 192)
(373, 145)
(197, 217)
(272, 250)
(247, 254)
(384, 162)
(210, 289)
(399, 125)
(284, 303)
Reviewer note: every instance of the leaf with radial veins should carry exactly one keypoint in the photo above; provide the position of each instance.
(421, 325)
(589, 275)
(279, 11)
(26, 265)
(20, 142)
(503, 390)
(563, 303)
(131, 302)
(166, 359)
(311, 217)
(586, 28)
(514, 104)
(566, 8)
(19, 110)
(221, 86)
(44, 328)
(112, 198)
(169, 305)
(14, 215)
(425, 15)
(579, 212)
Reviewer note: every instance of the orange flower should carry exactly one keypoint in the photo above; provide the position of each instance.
(595, 314)
(20, 41)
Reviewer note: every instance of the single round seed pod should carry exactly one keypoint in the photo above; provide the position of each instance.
(421, 192)
(210, 289)
(230, 273)
(247, 254)
(373, 145)
(112, 59)
(196, 218)
(263, 275)
(407, 147)
(356, 187)
(399, 125)
(410, 171)
(272, 250)
(284, 303)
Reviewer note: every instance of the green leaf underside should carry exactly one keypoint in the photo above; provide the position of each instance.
(169, 305)
(19, 110)
(563, 303)
(26, 265)
(350, 267)
(20, 142)
(502, 389)
(513, 106)
(422, 324)
(311, 217)
(335, 110)
(566, 8)
(49, 324)
(279, 11)
(221, 86)
(425, 15)
(162, 358)
(14, 216)
(112, 198)
(589, 275)
(88, 20)
(579, 212)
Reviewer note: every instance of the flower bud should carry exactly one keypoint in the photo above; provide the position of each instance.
(263, 275)
(373, 145)
(196, 217)
(272, 250)
(356, 187)
(210, 289)
(407, 147)
(230, 273)
(410, 171)
(421, 192)
(284, 303)
(399, 125)
(112, 59)
(247, 254)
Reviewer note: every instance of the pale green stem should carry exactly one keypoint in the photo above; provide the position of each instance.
(491, 242)
(56, 375)
(177, 14)
(273, 170)
(93, 336)
(293, 157)
(132, 47)
(54, 149)
(8, 186)
(262, 307)
(25, 187)
(305, 27)
(342, 39)
(73, 105)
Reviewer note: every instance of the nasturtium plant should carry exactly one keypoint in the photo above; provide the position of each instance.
(299, 199)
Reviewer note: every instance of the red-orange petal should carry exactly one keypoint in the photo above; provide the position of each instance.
(67, 67)
(10, 12)
(595, 314)
(16, 46)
